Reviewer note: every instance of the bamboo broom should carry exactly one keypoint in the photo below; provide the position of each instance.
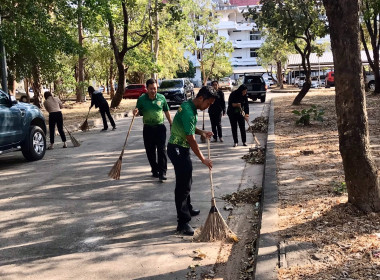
(203, 138)
(84, 126)
(115, 171)
(215, 227)
(250, 128)
(75, 142)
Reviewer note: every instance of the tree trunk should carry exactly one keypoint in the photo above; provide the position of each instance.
(359, 168)
(26, 88)
(112, 89)
(305, 55)
(80, 85)
(36, 85)
(120, 84)
(279, 74)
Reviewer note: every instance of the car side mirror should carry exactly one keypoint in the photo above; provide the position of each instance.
(13, 100)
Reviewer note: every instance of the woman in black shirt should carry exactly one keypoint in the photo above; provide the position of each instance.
(237, 111)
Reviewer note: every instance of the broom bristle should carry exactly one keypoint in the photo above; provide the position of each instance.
(216, 228)
(84, 126)
(75, 142)
(115, 171)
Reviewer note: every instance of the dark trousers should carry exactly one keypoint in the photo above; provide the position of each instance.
(183, 168)
(235, 120)
(154, 142)
(56, 118)
(216, 125)
(103, 111)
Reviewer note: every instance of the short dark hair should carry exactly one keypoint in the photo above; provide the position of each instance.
(90, 89)
(212, 83)
(150, 82)
(207, 92)
(47, 94)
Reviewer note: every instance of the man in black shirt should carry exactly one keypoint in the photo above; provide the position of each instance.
(216, 110)
(100, 102)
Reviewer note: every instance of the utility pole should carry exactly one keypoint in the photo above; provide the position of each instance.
(3, 59)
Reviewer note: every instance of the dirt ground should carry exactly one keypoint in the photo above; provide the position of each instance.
(313, 208)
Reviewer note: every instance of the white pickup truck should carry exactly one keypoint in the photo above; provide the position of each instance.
(225, 83)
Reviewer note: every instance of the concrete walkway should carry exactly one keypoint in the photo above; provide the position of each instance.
(62, 218)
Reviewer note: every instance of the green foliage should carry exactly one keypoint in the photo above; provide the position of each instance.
(306, 114)
(339, 187)
(212, 50)
(188, 72)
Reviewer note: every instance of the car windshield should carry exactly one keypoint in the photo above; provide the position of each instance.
(171, 84)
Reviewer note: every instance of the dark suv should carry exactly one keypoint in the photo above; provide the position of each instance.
(176, 91)
(257, 89)
(22, 127)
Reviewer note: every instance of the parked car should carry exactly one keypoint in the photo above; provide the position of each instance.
(257, 89)
(314, 82)
(329, 80)
(22, 127)
(225, 83)
(134, 91)
(299, 81)
(176, 91)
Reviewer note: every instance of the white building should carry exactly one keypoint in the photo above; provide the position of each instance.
(245, 37)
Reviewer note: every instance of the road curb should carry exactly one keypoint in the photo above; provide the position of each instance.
(267, 249)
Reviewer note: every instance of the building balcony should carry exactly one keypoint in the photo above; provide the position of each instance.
(245, 26)
(248, 61)
(226, 8)
(226, 25)
(254, 44)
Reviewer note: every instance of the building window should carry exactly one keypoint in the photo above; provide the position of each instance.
(254, 35)
(238, 57)
(198, 38)
(253, 52)
(199, 55)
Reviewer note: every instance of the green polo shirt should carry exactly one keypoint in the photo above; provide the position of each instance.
(184, 123)
(152, 109)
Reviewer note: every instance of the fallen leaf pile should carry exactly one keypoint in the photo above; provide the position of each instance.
(347, 241)
(259, 124)
(255, 156)
(249, 196)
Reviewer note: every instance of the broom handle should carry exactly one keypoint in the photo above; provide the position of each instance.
(88, 113)
(209, 171)
(203, 125)
(129, 130)
(249, 126)
(66, 129)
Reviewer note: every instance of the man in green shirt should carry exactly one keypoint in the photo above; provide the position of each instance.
(181, 140)
(151, 106)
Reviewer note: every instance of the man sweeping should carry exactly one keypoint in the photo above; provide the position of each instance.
(181, 140)
(152, 106)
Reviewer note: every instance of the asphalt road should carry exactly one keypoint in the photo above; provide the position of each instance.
(63, 218)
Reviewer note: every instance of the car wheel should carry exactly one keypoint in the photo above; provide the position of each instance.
(262, 99)
(34, 146)
(371, 86)
(23, 99)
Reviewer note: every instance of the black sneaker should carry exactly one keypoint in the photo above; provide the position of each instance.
(114, 128)
(155, 174)
(194, 212)
(162, 177)
(244, 144)
(104, 129)
(185, 229)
